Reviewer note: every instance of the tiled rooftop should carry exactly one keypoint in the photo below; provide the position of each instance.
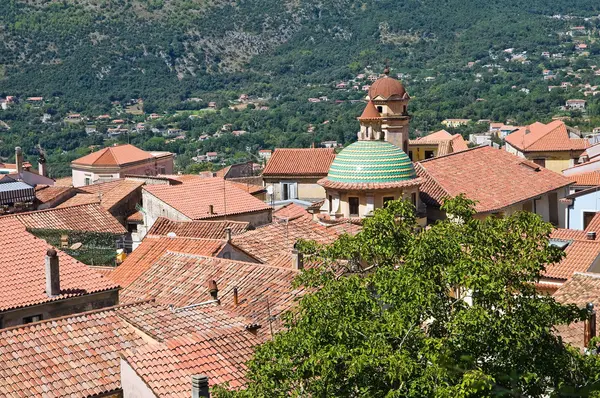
(182, 279)
(193, 198)
(300, 162)
(22, 260)
(291, 211)
(152, 248)
(580, 255)
(545, 137)
(108, 194)
(197, 229)
(47, 193)
(581, 289)
(85, 218)
(273, 243)
(494, 178)
(114, 156)
(591, 178)
(79, 355)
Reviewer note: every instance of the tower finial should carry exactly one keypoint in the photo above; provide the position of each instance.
(386, 71)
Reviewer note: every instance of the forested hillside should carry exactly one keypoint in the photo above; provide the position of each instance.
(82, 55)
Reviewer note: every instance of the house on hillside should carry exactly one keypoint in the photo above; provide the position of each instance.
(453, 123)
(114, 162)
(575, 104)
(500, 183)
(435, 144)
(548, 145)
(293, 173)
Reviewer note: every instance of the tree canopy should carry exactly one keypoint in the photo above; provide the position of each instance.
(451, 311)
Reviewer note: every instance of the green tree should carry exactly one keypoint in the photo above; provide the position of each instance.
(449, 312)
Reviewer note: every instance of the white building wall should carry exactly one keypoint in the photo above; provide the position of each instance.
(154, 208)
(133, 386)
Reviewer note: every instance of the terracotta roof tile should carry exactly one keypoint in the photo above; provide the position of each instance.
(567, 234)
(273, 243)
(370, 112)
(292, 211)
(47, 193)
(494, 178)
(591, 178)
(152, 248)
(353, 186)
(194, 197)
(250, 188)
(22, 259)
(108, 194)
(434, 138)
(63, 182)
(386, 87)
(197, 229)
(181, 280)
(581, 289)
(114, 156)
(545, 137)
(86, 218)
(79, 355)
(299, 162)
(137, 217)
(580, 255)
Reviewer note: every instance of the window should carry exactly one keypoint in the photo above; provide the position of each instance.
(380, 109)
(587, 218)
(428, 154)
(354, 204)
(161, 170)
(33, 318)
(386, 200)
(330, 203)
(88, 180)
(540, 162)
(410, 155)
(413, 198)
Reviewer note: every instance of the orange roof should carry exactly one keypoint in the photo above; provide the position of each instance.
(591, 178)
(250, 188)
(292, 211)
(193, 198)
(86, 218)
(580, 255)
(80, 355)
(114, 156)
(107, 194)
(493, 177)
(300, 162)
(387, 87)
(370, 112)
(273, 243)
(196, 229)
(581, 289)
(436, 137)
(22, 259)
(152, 248)
(64, 182)
(47, 193)
(182, 279)
(545, 137)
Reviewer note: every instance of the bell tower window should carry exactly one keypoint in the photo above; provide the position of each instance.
(380, 109)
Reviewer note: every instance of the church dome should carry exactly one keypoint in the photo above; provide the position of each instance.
(387, 87)
(371, 162)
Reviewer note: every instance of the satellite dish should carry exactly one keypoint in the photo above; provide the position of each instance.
(76, 246)
(171, 235)
(270, 189)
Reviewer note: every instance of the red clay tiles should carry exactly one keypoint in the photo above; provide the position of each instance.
(22, 260)
(539, 137)
(586, 179)
(299, 162)
(114, 156)
(194, 198)
(494, 178)
(197, 229)
(86, 218)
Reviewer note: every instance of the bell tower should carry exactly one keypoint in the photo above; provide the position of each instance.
(390, 100)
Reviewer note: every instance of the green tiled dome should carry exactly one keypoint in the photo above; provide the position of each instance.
(371, 162)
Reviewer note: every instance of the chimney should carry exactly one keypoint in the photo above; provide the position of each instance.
(200, 386)
(211, 209)
(213, 289)
(589, 328)
(235, 296)
(52, 273)
(42, 165)
(19, 159)
(591, 235)
(297, 260)
(228, 234)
